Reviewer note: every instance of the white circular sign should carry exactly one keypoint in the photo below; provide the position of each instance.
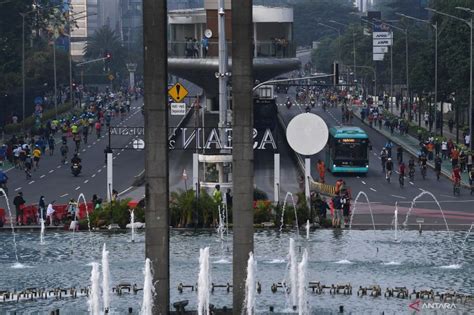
(208, 33)
(138, 144)
(307, 134)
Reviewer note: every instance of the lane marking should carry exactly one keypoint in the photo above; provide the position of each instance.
(63, 195)
(364, 183)
(396, 196)
(42, 176)
(373, 189)
(19, 188)
(99, 171)
(93, 175)
(51, 171)
(118, 153)
(83, 150)
(89, 146)
(104, 166)
(421, 189)
(448, 196)
(411, 183)
(31, 182)
(8, 170)
(140, 174)
(86, 181)
(129, 188)
(78, 187)
(59, 166)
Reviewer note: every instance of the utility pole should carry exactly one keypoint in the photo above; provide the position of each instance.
(156, 149)
(242, 152)
(223, 75)
(23, 69)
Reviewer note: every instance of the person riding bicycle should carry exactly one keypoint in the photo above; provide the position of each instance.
(389, 168)
(422, 160)
(411, 163)
(456, 175)
(401, 169)
(383, 157)
(438, 161)
(3, 180)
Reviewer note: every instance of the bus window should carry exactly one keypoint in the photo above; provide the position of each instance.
(352, 151)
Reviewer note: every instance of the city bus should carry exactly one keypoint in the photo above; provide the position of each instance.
(347, 150)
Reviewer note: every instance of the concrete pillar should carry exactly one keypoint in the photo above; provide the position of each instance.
(156, 149)
(307, 176)
(255, 38)
(195, 171)
(110, 176)
(242, 153)
(276, 177)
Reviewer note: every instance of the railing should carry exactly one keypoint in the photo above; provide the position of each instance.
(264, 49)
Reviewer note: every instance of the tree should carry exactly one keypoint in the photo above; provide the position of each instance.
(105, 41)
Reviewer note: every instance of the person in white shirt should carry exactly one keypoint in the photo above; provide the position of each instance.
(444, 150)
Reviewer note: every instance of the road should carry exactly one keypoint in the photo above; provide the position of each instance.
(384, 195)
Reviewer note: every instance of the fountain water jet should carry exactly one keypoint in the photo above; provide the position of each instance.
(105, 279)
(307, 229)
(132, 223)
(250, 285)
(395, 221)
(413, 202)
(282, 221)
(84, 200)
(361, 193)
(302, 297)
(148, 289)
(293, 266)
(203, 282)
(42, 231)
(463, 244)
(11, 224)
(94, 302)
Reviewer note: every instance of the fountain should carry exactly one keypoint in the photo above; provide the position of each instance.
(302, 298)
(250, 285)
(148, 289)
(282, 221)
(203, 282)
(395, 221)
(84, 200)
(413, 202)
(463, 244)
(105, 279)
(221, 224)
(12, 227)
(94, 302)
(42, 231)
(293, 266)
(361, 193)
(307, 229)
(132, 223)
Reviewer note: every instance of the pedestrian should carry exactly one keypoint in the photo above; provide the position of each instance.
(336, 200)
(72, 209)
(228, 198)
(399, 154)
(41, 209)
(454, 157)
(451, 125)
(19, 203)
(444, 149)
(51, 145)
(321, 170)
(346, 206)
(49, 212)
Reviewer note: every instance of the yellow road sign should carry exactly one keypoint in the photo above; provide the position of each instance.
(178, 92)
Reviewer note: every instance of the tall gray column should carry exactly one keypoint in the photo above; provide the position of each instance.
(242, 151)
(156, 149)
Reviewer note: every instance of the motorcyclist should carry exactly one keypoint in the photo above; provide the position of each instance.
(383, 157)
(288, 102)
(76, 160)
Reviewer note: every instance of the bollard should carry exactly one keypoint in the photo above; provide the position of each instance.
(130, 310)
(341, 308)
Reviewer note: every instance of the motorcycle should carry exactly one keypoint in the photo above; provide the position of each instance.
(288, 104)
(76, 169)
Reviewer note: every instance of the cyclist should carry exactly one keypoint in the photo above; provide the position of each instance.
(85, 133)
(438, 161)
(77, 141)
(411, 167)
(64, 150)
(383, 157)
(389, 169)
(28, 166)
(456, 178)
(401, 170)
(3, 181)
(423, 160)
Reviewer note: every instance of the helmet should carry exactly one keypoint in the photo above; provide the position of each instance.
(389, 159)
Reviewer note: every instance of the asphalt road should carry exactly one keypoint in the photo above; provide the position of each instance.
(384, 195)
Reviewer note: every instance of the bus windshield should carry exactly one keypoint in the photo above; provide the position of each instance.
(356, 150)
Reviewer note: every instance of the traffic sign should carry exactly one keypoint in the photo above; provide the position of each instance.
(178, 92)
(138, 144)
(178, 109)
(382, 42)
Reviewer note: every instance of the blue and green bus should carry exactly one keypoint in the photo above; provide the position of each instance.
(347, 150)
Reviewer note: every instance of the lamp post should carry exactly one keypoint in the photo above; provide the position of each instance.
(470, 24)
(353, 45)
(338, 39)
(435, 27)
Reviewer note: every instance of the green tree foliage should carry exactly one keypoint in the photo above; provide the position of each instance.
(308, 13)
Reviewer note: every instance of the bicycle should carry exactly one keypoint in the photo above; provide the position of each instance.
(411, 173)
(457, 188)
(401, 180)
(423, 171)
(388, 175)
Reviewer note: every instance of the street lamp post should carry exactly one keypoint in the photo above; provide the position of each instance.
(435, 27)
(470, 24)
